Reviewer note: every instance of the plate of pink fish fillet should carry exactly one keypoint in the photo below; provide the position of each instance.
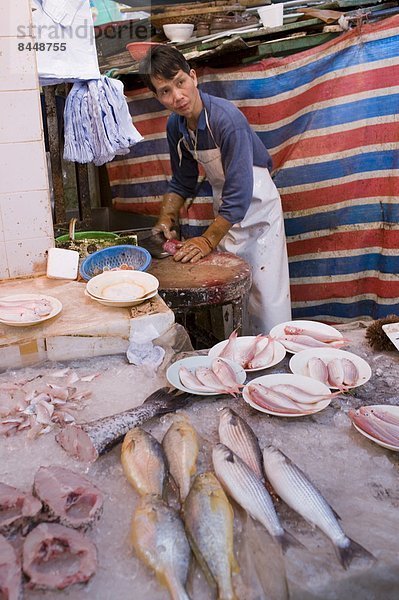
(338, 369)
(379, 423)
(302, 335)
(206, 376)
(287, 395)
(22, 310)
(253, 353)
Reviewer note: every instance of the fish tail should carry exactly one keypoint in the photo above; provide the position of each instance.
(167, 400)
(348, 553)
(286, 540)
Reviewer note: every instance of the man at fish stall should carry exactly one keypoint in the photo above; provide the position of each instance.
(213, 132)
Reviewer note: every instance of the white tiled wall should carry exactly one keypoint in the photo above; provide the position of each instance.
(26, 229)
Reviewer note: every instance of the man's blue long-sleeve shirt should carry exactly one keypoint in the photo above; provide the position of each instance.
(241, 149)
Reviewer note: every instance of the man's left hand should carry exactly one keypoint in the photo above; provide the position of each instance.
(193, 250)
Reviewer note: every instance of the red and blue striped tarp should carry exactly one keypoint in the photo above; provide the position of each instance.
(330, 120)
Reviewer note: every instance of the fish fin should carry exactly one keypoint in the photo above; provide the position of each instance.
(286, 540)
(171, 493)
(336, 515)
(347, 554)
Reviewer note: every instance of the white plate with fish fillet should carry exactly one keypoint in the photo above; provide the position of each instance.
(389, 408)
(299, 363)
(305, 383)
(278, 330)
(245, 341)
(54, 308)
(192, 363)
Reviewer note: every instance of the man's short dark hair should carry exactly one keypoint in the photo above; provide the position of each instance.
(162, 61)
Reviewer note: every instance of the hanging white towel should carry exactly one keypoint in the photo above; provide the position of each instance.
(97, 123)
(65, 36)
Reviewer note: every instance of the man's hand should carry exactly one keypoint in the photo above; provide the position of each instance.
(164, 225)
(193, 250)
(169, 215)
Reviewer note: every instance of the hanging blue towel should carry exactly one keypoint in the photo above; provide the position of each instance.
(98, 125)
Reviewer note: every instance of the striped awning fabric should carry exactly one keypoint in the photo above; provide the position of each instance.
(330, 120)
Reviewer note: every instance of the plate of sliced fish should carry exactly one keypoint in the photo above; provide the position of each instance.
(379, 423)
(338, 369)
(287, 395)
(252, 353)
(22, 310)
(206, 376)
(302, 335)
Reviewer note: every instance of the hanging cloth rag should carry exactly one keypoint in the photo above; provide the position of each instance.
(64, 31)
(98, 125)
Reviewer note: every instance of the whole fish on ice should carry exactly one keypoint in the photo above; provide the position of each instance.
(248, 491)
(292, 485)
(159, 539)
(180, 444)
(87, 441)
(209, 520)
(143, 462)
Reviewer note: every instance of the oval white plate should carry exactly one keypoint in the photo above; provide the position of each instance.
(55, 303)
(191, 363)
(306, 383)
(245, 340)
(121, 303)
(278, 330)
(388, 408)
(298, 363)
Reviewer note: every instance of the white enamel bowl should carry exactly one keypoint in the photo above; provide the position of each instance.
(178, 32)
(122, 304)
(278, 330)
(306, 383)
(245, 341)
(122, 286)
(390, 408)
(299, 362)
(55, 304)
(191, 363)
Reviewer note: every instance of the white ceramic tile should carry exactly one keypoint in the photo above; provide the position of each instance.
(15, 16)
(22, 112)
(28, 257)
(23, 167)
(4, 272)
(17, 68)
(26, 215)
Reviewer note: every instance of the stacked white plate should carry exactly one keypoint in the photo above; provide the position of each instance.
(122, 288)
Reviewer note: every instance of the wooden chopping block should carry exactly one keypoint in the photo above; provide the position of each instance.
(219, 278)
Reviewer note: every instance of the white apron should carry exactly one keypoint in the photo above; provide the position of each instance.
(259, 239)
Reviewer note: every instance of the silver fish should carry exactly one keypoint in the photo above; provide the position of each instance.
(248, 491)
(87, 441)
(236, 434)
(159, 539)
(143, 462)
(300, 494)
(209, 524)
(180, 444)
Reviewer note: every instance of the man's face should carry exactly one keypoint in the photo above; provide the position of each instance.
(180, 94)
